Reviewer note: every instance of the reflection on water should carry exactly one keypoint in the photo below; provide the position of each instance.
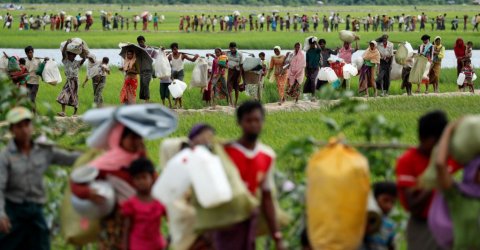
(448, 62)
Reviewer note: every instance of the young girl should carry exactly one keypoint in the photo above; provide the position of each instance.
(129, 89)
(69, 94)
(143, 213)
(176, 60)
(468, 71)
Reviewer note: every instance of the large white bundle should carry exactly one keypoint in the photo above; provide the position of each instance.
(396, 71)
(200, 74)
(3, 64)
(51, 73)
(89, 13)
(409, 49)
(306, 43)
(347, 36)
(136, 19)
(226, 19)
(76, 46)
(461, 79)
(162, 66)
(208, 177)
(427, 71)
(177, 88)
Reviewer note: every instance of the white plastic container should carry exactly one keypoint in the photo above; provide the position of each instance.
(51, 73)
(162, 66)
(208, 177)
(461, 79)
(174, 180)
(177, 88)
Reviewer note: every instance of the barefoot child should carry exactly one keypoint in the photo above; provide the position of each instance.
(177, 61)
(143, 213)
(69, 94)
(468, 71)
(97, 71)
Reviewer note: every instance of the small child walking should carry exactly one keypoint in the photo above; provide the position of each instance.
(69, 94)
(143, 213)
(97, 71)
(468, 71)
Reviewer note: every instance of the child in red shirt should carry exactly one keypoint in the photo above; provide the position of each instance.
(144, 214)
(468, 71)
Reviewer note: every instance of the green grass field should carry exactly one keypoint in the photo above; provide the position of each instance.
(246, 40)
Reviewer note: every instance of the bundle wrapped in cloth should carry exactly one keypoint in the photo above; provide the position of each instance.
(77, 46)
(200, 74)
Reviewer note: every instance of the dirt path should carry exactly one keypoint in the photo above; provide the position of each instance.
(308, 105)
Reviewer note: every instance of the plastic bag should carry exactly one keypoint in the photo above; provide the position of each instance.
(349, 71)
(237, 210)
(13, 65)
(208, 177)
(327, 74)
(75, 229)
(347, 36)
(40, 69)
(461, 79)
(418, 69)
(177, 88)
(396, 71)
(409, 48)
(337, 195)
(162, 66)
(401, 54)
(252, 64)
(440, 223)
(51, 73)
(200, 74)
(474, 77)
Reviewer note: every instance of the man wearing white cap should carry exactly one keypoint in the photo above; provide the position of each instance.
(22, 194)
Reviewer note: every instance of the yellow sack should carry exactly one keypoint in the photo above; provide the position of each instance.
(337, 193)
(75, 229)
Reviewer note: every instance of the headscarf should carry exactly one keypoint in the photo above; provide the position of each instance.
(129, 63)
(459, 48)
(297, 66)
(116, 157)
(279, 49)
(372, 55)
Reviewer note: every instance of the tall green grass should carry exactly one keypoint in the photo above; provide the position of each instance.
(96, 38)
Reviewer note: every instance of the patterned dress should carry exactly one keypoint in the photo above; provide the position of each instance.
(69, 94)
(280, 75)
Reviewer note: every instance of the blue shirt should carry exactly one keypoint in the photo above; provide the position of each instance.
(382, 239)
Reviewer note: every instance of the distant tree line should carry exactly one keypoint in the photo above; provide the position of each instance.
(250, 2)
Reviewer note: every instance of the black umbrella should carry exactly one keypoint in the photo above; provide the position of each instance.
(144, 60)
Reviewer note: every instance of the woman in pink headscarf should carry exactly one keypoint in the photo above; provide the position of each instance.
(124, 146)
(296, 73)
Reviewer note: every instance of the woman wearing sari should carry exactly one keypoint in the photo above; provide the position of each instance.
(371, 58)
(296, 71)
(280, 74)
(459, 50)
(438, 55)
(124, 146)
(128, 93)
